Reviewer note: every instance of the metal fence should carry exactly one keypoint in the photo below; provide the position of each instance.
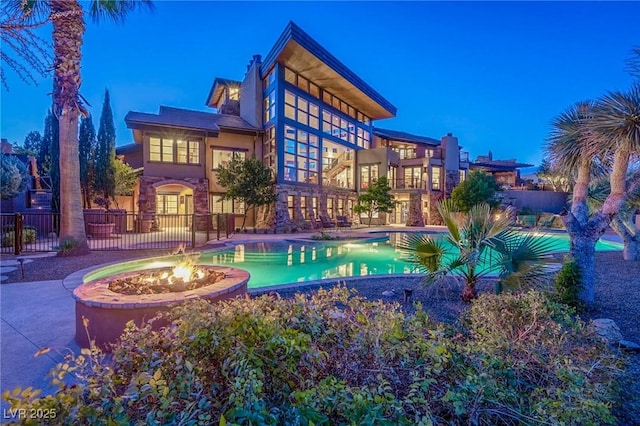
(113, 230)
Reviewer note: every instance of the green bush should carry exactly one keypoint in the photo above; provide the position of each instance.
(568, 285)
(67, 245)
(338, 359)
(28, 237)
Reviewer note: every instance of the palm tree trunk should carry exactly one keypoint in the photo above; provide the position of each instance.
(584, 232)
(68, 29)
(631, 240)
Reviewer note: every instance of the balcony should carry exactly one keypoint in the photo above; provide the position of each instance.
(409, 184)
(464, 157)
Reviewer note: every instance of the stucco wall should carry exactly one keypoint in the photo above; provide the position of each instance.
(542, 201)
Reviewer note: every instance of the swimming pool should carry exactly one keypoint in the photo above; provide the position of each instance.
(281, 262)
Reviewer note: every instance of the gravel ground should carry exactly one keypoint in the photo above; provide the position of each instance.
(617, 297)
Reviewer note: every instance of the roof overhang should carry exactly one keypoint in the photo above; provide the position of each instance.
(139, 122)
(217, 88)
(298, 51)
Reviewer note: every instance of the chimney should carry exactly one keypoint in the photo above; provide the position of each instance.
(6, 147)
(251, 93)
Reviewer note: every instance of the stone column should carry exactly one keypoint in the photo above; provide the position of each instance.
(415, 210)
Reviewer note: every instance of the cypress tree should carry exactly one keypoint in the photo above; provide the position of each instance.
(44, 153)
(87, 152)
(105, 182)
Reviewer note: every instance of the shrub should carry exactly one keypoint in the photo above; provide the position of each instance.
(67, 246)
(28, 237)
(568, 285)
(338, 359)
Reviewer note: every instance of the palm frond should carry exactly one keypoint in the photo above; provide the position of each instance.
(569, 140)
(424, 251)
(616, 120)
(447, 209)
(116, 10)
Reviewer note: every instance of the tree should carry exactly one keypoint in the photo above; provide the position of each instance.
(68, 30)
(54, 172)
(21, 44)
(32, 143)
(125, 179)
(87, 152)
(13, 176)
(478, 188)
(550, 174)
(249, 181)
(378, 198)
(44, 155)
(622, 223)
(585, 134)
(104, 179)
(464, 251)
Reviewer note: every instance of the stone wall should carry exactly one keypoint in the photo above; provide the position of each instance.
(199, 186)
(414, 217)
(433, 198)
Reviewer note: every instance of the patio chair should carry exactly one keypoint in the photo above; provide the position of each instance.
(343, 222)
(326, 222)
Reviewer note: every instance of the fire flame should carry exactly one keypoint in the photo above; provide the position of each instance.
(185, 270)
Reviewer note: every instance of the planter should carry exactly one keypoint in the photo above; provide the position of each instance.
(119, 217)
(144, 225)
(101, 230)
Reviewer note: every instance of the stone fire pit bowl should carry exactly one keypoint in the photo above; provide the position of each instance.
(108, 312)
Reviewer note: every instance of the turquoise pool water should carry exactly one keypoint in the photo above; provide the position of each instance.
(274, 263)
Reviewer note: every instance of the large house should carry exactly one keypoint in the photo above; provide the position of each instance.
(311, 120)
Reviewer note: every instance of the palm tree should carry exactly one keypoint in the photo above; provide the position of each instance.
(67, 17)
(515, 257)
(585, 135)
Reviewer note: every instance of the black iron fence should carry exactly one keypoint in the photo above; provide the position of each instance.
(114, 230)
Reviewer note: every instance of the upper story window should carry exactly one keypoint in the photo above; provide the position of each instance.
(269, 79)
(222, 157)
(307, 86)
(368, 174)
(299, 109)
(405, 151)
(269, 106)
(338, 127)
(179, 151)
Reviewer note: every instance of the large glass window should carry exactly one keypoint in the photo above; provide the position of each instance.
(168, 150)
(340, 207)
(436, 178)
(412, 177)
(269, 148)
(218, 205)
(368, 175)
(303, 207)
(338, 127)
(462, 175)
(314, 206)
(337, 165)
(269, 106)
(301, 156)
(222, 157)
(167, 203)
(330, 207)
(299, 109)
(405, 151)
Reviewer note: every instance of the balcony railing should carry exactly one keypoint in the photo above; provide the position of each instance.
(409, 184)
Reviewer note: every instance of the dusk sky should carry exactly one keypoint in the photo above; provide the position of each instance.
(493, 74)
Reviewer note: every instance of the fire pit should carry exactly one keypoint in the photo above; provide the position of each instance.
(109, 303)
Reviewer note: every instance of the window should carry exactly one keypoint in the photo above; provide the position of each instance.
(167, 150)
(391, 175)
(218, 205)
(340, 207)
(269, 148)
(167, 203)
(368, 174)
(463, 175)
(299, 109)
(290, 76)
(337, 165)
(314, 207)
(405, 151)
(269, 79)
(291, 203)
(222, 157)
(303, 207)
(269, 106)
(412, 177)
(330, 207)
(301, 156)
(435, 178)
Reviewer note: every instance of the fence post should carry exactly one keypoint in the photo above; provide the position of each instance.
(218, 226)
(209, 223)
(193, 231)
(17, 234)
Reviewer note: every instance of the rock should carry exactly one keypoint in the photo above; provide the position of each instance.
(629, 345)
(608, 330)
(388, 293)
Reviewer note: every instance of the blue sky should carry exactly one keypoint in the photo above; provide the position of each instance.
(493, 74)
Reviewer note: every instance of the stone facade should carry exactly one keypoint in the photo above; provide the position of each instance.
(414, 218)
(199, 186)
(433, 198)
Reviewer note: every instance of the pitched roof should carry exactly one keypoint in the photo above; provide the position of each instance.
(405, 137)
(294, 34)
(216, 89)
(188, 119)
